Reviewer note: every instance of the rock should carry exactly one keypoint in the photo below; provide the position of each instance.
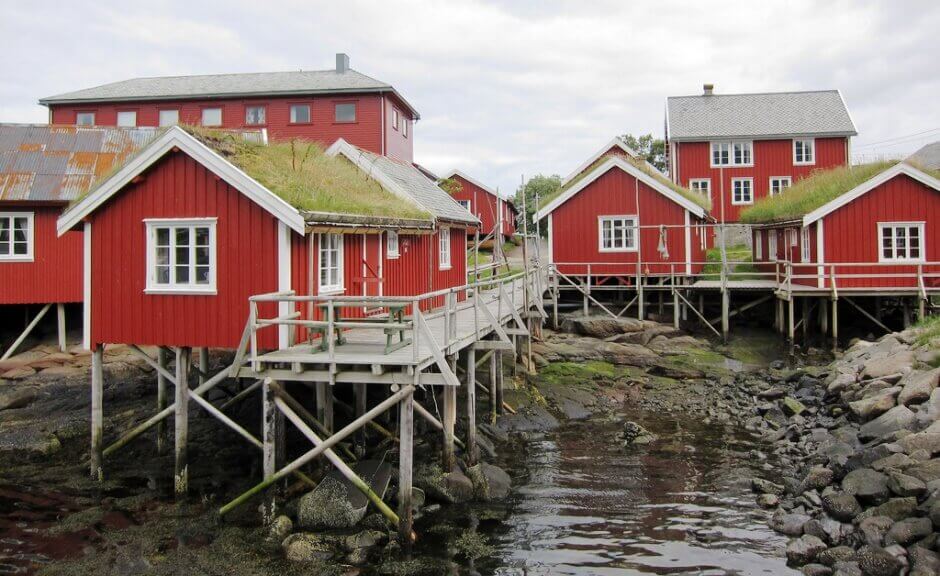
(927, 471)
(458, 486)
(816, 570)
(896, 363)
(867, 485)
(876, 404)
(633, 433)
(817, 478)
(904, 485)
(804, 550)
(768, 501)
(873, 529)
(830, 556)
(892, 462)
(918, 386)
(279, 529)
(307, 547)
(761, 486)
(876, 561)
(328, 507)
(792, 406)
(924, 562)
(891, 421)
(908, 531)
(18, 373)
(602, 326)
(365, 539)
(934, 515)
(18, 397)
(489, 482)
(826, 529)
(788, 523)
(773, 393)
(929, 441)
(451, 488)
(841, 506)
(846, 569)
(895, 508)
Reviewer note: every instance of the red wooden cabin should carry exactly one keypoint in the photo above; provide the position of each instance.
(619, 213)
(180, 238)
(319, 105)
(880, 234)
(485, 203)
(740, 148)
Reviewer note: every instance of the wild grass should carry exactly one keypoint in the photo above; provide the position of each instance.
(741, 270)
(929, 330)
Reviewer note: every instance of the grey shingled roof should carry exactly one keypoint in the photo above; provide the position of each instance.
(41, 163)
(927, 157)
(228, 86)
(778, 114)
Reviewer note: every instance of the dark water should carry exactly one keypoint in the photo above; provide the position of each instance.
(679, 506)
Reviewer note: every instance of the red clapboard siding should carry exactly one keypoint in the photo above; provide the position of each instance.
(483, 205)
(771, 158)
(55, 274)
(246, 252)
(397, 143)
(575, 228)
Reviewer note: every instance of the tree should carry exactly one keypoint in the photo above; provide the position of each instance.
(653, 149)
(541, 186)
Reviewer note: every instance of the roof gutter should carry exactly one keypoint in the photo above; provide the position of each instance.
(762, 136)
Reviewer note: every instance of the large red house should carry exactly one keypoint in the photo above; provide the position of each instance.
(318, 105)
(862, 234)
(485, 203)
(179, 239)
(739, 148)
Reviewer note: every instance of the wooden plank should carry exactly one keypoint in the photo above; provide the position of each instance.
(406, 465)
(161, 398)
(97, 412)
(493, 345)
(471, 406)
(60, 311)
(181, 470)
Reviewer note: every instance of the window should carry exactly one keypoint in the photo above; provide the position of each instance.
(181, 255)
(901, 241)
(804, 244)
(736, 153)
(127, 118)
(791, 237)
(330, 263)
(391, 244)
(804, 151)
(772, 245)
(346, 112)
(758, 245)
(85, 119)
(701, 185)
(444, 249)
(617, 234)
(211, 116)
(395, 118)
(16, 236)
(300, 114)
(404, 127)
(779, 183)
(465, 204)
(742, 190)
(255, 115)
(169, 117)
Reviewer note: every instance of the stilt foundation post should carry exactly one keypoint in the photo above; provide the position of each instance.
(97, 411)
(161, 400)
(181, 476)
(405, 463)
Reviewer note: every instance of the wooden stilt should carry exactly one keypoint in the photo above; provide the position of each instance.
(835, 325)
(587, 295)
(405, 464)
(325, 404)
(555, 301)
(725, 311)
(640, 301)
(675, 309)
(60, 310)
(181, 477)
(790, 322)
(905, 312)
(161, 400)
(921, 308)
(203, 365)
(470, 376)
(361, 398)
(498, 359)
(805, 326)
(269, 441)
(824, 316)
(449, 418)
(493, 396)
(97, 412)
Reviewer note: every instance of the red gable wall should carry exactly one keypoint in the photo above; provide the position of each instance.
(55, 274)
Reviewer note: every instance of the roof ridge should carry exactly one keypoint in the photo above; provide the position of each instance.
(228, 74)
(755, 93)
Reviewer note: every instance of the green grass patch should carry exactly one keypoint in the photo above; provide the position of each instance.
(743, 269)
(573, 372)
(929, 330)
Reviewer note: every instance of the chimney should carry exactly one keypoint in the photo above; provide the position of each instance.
(707, 89)
(342, 63)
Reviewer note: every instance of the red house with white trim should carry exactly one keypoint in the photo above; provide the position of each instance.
(179, 239)
(485, 203)
(740, 148)
(318, 105)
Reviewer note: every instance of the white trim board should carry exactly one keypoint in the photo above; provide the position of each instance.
(283, 280)
(615, 162)
(617, 141)
(176, 137)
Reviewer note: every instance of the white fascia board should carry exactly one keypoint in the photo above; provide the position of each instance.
(868, 186)
(478, 184)
(615, 142)
(176, 137)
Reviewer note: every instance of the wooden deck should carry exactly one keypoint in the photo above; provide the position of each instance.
(770, 285)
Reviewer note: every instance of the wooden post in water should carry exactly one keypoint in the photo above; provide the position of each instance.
(97, 411)
(60, 310)
(471, 377)
(791, 332)
(498, 360)
(359, 390)
(181, 476)
(493, 383)
(835, 324)
(269, 441)
(405, 464)
(824, 316)
(325, 405)
(449, 420)
(161, 400)
(725, 313)
(805, 325)
(203, 365)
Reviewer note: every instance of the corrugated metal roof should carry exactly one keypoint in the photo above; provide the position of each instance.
(228, 86)
(777, 114)
(927, 157)
(41, 163)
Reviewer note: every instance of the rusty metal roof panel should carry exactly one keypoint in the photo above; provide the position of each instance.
(43, 163)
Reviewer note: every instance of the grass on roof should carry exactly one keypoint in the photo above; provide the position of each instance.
(305, 177)
(699, 199)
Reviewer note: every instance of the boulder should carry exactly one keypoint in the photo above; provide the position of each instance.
(792, 406)
(929, 441)
(917, 387)
(895, 508)
(867, 485)
(18, 373)
(904, 485)
(633, 433)
(279, 529)
(790, 524)
(927, 471)
(876, 404)
(891, 421)
(768, 500)
(602, 326)
(489, 482)
(876, 561)
(892, 462)
(307, 547)
(816, 570)
(924, 562)
(817, 478)
(450, 488)
(804, 550)
(873, 529)
(18, 397)
(761, 486)
(908, 531)
(826, 529)
(328, 506)
(899, 362)
(846, 569)
(830, 556)
(841, 506)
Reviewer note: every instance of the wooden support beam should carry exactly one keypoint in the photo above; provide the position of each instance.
(181, 470)
(406, 466)
(203, 365)
(835, 324)
(325, 404)
(449, 419)
(791, 329)
(60, 311)
(500, 375)
(805, 320)
(361, 401)
(161, 399)
(675, 309)
(242, 395)
(493, 395)
(471, 381)
(824, 316)
(26, 332)
(269, 445)
(493, 345)
(97, 412)
(725, 315)
(742, 308)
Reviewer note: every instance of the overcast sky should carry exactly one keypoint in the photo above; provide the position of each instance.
(506, 89)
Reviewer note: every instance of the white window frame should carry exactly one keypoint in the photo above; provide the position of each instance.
(125, 124)
(750, 182)
(812, 152)
(804, 244)
(772, 245)
(404, 127)
(293, 117)
(758, 245)
(30, 237)
(264, 115)
(160, 114)
(340, 285)
(152, 287)
(391, 245)
(443, 249)
(94, 118)
(630, 243)
(395, 118)
(202, 117)
(466, 204)
(779, 180)
(921, 227)
(730, 145)
(695, 185)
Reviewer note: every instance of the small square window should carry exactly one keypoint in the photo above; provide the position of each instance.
(391, 244)
(742, 191)
(211, 116)
(127, 118)
(701, 185)
(617, 233)
(300, 114)
(85, 119)
(779, 183)
(16, 236)
(804, 151)
(346, 112)
(901, 241)
(255, 115)
(465, 204)
(169, 117)
(181, 256)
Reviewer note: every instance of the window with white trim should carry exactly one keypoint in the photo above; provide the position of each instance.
(779, 183)
(465, 204)
(211, 116)
(255, 115)
(701, 185)
(169, 117)
(404, 127)
(85, 119)
(758, 245)
(181, 255)
(391, 244)
(16, 236)
(804, 151)
(444, 249)
(732, 153)
(901, 241)
(395, 118)
(300, 113)
(772, 245)
(330, 262)
(804, 244)
(742, 190)
(617, 233)
(791, 237)
(127, 118)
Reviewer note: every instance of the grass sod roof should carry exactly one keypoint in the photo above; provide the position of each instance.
(303, 175)
(641, 165)
(814, 191)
